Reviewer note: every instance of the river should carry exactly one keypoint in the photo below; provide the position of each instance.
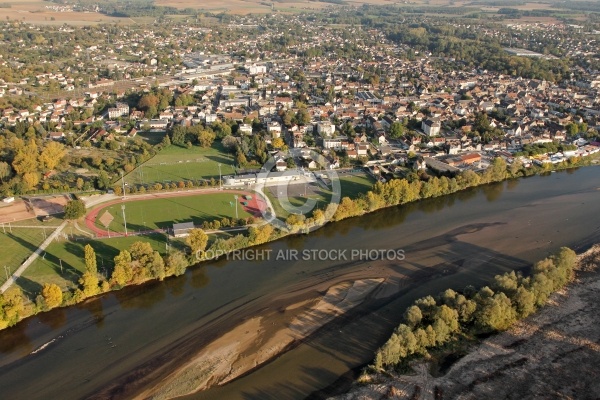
(122, 342)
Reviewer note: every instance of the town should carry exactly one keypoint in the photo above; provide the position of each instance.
(387, 113)
(187, 170)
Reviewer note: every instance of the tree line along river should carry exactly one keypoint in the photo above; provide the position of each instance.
(124, 342)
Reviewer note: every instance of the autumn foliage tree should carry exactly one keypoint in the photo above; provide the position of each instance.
(197, 240)
(432, 322)
(52, 295)
(52, 155)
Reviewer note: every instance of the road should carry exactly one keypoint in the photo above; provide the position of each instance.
(32, 258)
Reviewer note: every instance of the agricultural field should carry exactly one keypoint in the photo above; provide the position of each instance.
(36, 11)
(246, 6)
(175, 163)
(163, 212)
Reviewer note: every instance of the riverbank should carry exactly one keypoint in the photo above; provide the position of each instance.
(120, 344)
(552, 353)
(260, 338)
(390, 194)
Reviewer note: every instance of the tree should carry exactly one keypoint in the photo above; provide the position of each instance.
(90, 259)
(30, 180)
(52, 294)
(147, 101)
(229, 142)
(178, 135)
(449, 316)
(123, 272)
(240, 158)
(5, 171)
(12, 307)
(103, 181)
(26, 159)
(277, 143)
(496, 313)
(197, 240)
(157, 266)
(206, 138)
(261, 234)
(74, 209)
(175, 263)
(302, 117)
(52, 155)
(89, 281)
(396, 130)
(413, 316)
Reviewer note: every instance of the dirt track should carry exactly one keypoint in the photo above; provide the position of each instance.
(33, 207)
(254, 206)
(553, 354)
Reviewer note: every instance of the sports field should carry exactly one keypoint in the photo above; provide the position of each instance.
(17, 246)
(164, 212)
(355, 184)
(175, 164)
(47, 268)
(351, 185)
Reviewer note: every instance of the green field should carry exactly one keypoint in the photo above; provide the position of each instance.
(175, 163)
(151, 137)
(18, 243)
(350, 185)
(162, 213)
(17, 246)
(353, 185)
(47, 268)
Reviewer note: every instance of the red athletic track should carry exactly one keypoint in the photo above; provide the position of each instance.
(255, 206)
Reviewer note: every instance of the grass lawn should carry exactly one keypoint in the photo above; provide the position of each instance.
(353, 185)
(47, 269)
(162, 213)
(151, 137)
(17, 246)
(175, 163)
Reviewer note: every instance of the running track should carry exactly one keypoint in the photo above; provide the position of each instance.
(255, 206)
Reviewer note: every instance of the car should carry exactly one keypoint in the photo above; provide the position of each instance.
(47, 218)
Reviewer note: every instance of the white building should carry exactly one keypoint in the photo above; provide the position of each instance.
(274, 128)
(257, 69)
(245, 129)
(121, 109)
(325, 128)
(431, 127)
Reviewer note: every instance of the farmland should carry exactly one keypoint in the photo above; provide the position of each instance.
(36, 11)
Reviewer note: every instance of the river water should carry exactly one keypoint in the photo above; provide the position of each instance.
(124, 341)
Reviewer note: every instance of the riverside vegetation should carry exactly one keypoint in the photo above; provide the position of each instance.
(432, 323)
(141, 263)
